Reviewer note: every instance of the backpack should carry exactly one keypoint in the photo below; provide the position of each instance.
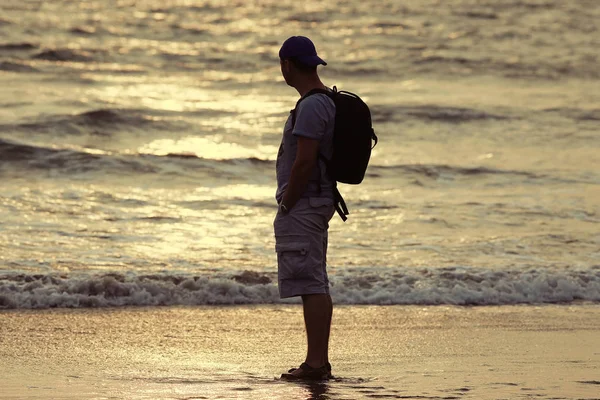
(352, 142)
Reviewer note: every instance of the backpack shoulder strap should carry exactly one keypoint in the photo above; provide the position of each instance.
(338, 200)
(310, 93)
(340, 204)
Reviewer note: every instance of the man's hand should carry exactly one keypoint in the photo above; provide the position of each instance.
(306, 159)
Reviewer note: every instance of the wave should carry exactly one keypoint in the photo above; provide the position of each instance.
(440, 170)
(191, 29)
(432, 113)
(17, 46)
(16, 67)
(25, 158)
(308, 17)
(30, 157)
(390, 24)
(451, 114)
(82, 160)
(359, 70)
(64, 55)
(421, 286)
(516, 4)
(436, 173)
(84, 30)
(478, 14)
(101, 122)
(527, 69)
(74, 161)
(576, 113)
(429, 59)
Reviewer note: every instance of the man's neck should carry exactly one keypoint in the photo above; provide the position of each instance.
(308, 85)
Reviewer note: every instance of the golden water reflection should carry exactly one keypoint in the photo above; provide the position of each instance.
(186, 94)
(212, 147)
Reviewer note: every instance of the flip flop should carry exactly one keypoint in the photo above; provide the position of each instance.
(308, 373)
(327, 365)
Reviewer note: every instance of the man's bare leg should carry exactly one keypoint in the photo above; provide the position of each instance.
(317, 319)
(330, 316)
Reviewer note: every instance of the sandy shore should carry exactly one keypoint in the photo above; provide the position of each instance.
(547, 352)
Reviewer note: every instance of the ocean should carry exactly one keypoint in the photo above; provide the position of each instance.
(138, 143)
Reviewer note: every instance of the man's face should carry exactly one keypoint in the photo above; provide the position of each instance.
(286, 68)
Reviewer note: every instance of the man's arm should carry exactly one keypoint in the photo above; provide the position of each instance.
(306, 159)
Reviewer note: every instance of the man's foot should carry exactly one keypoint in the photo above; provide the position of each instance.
(327, 366)
(306, 372)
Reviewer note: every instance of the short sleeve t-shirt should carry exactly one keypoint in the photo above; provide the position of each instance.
(315, 119)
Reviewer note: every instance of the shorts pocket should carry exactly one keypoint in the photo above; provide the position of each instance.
(324, 207)
(293, 256)
(316, 202)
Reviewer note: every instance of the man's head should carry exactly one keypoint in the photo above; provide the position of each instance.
(298, 58)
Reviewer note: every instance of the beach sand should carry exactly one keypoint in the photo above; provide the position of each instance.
(407, 352)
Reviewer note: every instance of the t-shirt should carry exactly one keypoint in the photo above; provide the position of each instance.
(315, 119)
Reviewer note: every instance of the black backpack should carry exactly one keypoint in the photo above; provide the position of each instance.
(352, 141)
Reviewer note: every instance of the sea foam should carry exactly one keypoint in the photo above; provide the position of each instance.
(376, 286)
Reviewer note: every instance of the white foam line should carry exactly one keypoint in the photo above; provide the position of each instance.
(457, 286)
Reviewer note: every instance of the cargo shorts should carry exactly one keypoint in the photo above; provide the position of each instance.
(301, 246)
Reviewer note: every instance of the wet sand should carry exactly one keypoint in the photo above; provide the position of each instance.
(508, 352)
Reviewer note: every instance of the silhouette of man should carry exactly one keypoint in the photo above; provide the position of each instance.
(305, 198)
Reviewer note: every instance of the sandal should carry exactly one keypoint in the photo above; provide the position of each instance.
(327, 365)
(308, 373)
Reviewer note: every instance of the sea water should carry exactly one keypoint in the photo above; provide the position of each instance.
(138, 139)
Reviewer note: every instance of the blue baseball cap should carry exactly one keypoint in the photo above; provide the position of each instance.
(302, 49)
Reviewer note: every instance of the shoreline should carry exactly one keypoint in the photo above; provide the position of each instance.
(491, 352)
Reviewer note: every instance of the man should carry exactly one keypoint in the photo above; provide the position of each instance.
(305, 198)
